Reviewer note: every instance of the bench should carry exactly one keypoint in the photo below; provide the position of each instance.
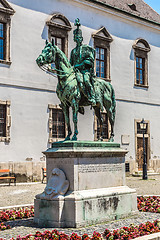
(44, 175)
(6, 174)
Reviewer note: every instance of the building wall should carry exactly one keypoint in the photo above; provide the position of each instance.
(30, 90)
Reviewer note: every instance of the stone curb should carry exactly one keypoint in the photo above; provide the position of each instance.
(16, 207)
(20, 184)
(148, 195)
(154, 236)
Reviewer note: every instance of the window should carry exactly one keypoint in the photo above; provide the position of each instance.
(57, 127)
(140, 70)
(127, 167)
(5, 121)
(5, 21)
(100, 62)
(105, 127)
(2, 40)
(58, 27)
(58, 124)
(102, 40)
(59, 42)
(2, 120)
(141, 48)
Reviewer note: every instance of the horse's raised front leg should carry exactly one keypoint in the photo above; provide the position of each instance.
(65, 109)
(75, 108)
(99, 116)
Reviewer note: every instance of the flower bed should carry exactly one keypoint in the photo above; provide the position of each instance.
(4, 226)
(9, 215)
(144, 204)
(125, 233)
(149, 204)
(55, 235)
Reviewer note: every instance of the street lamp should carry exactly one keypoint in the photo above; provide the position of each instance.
(143, 126)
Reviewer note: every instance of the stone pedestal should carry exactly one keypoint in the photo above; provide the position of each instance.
(97, 191)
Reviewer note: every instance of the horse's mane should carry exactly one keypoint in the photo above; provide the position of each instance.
(63, 57)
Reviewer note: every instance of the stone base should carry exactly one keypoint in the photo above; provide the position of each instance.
(85, 207)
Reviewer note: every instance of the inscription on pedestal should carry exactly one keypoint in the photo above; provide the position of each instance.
(100, 168)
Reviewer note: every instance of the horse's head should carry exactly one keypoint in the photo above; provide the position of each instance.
(48, 54)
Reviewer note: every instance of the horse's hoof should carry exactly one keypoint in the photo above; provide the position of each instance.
(67, 138)
(74, 138)
(111, 139)
(100, 139)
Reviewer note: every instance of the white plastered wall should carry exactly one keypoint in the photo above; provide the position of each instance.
(30, 90)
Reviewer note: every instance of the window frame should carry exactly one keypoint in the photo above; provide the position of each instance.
(101, 60)
(59, 30)
(5, 18)
(96, 128)
(141, 52)
(102, 39)
(50, 123)
(4, 40)
(139, 69)
(8, 121)
(62, 42)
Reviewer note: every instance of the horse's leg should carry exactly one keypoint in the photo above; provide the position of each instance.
(99, 116)
(110, 108)
(111, 139)
(75, 108)
(107, 102)
(65, 109)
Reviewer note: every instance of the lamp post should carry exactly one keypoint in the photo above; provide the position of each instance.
(143, 126)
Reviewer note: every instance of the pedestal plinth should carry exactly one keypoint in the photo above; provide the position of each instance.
(97, 191)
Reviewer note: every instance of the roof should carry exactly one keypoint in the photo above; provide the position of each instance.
(138, 8)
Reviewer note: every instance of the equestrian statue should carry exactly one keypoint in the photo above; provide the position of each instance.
(77, 84)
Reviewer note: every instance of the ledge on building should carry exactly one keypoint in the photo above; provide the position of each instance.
(5, 62)
(141, 86)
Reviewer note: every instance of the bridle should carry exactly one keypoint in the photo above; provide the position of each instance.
(52, 72)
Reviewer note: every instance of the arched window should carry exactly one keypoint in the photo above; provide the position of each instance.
(102, 40)
(141, 49)
(58, 27)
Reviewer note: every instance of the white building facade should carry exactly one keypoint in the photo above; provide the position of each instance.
(29, 106)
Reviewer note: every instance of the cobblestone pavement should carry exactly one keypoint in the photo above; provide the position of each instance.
(24, 194)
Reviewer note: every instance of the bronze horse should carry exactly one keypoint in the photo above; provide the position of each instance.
(69, 91)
